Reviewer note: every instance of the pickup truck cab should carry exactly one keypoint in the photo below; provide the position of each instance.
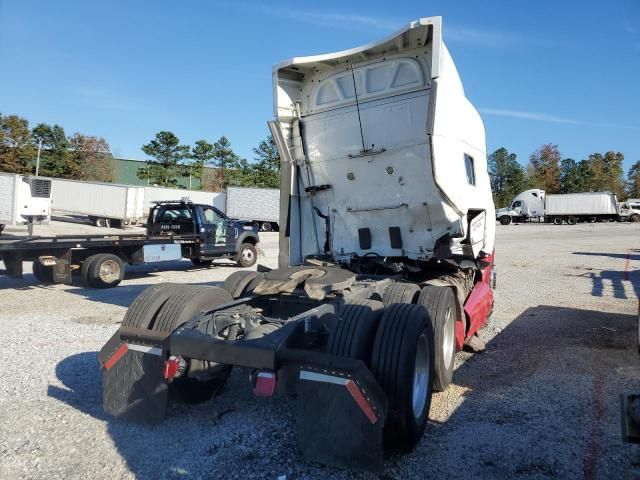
(174, 230)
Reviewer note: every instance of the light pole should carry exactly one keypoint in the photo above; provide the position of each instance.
(38, 158)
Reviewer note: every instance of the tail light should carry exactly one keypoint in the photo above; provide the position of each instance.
(264, 383)
(174, 367)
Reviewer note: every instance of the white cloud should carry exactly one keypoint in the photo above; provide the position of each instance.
(543, 117)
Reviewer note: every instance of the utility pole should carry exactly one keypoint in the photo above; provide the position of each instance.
(38, 159)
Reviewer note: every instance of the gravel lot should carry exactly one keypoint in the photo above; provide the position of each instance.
(542, 401)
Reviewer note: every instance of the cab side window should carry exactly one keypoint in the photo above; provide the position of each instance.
(211, 216)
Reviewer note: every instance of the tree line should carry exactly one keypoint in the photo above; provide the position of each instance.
(549, 171)
(86, 157)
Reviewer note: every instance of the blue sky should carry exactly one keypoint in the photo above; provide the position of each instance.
(565, 72)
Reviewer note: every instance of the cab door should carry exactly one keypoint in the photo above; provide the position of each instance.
(215, 229)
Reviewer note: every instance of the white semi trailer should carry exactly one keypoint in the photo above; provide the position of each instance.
(569, 207)
(24, 200)
(385, 266)
(260, 206)
(152, 195)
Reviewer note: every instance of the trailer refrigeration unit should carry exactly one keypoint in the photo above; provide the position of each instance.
(24, 200)
(105, 204)
(255, 205)
(385, 267)
(568, 207)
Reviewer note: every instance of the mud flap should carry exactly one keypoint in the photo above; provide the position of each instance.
(133, 386)
(339, 418)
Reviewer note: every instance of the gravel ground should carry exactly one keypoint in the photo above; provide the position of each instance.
(541, 402)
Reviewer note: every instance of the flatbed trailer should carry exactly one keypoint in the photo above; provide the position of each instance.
(101, 259)
(386, 256)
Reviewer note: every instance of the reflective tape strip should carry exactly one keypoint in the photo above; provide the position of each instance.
(351, 386)
(116, 356)
(144, 349)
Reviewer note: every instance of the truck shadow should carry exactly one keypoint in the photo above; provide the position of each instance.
(625, 256)
(542, 401)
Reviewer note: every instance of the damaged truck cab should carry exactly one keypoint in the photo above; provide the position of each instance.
(385, 262)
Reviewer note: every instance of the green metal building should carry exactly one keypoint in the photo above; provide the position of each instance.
(126, 173)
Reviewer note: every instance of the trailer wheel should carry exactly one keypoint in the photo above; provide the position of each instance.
(43, 273)
(179, 309)
(634, 218)
(402, 362)
(557, 220)
(505, 220)
(236, 283)
(265, 226)
(593, 219)
(247, 255)
(355, 332)
(572, 220)
(105, 271)
(142, 312)
(440, 303)
(399, 292)
(103, 222)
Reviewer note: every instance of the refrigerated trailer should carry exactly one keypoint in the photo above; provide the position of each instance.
(568, 207)
(24, 200)
(385, 264)
(260, 206)
(157, 194)
(105, 204)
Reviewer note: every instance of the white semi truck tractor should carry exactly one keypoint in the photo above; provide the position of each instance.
(385, 269)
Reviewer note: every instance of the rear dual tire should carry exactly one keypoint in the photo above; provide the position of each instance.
(103, 270)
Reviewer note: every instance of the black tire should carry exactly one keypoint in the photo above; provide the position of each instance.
(557, 220)
(84, 269)
(404, 332)
(43, 273)
(247, 256)
(266, 226)
(179, 309)
(572, 220)
(103, 222)
(505, 220)
(594, 219)
(144, 309)
(399, 292)
(105, 271)
(236, 283)
(634, 218)
(441, 306)
(356, 329)
(201, 263)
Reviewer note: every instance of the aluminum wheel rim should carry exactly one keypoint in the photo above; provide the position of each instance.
(109, 271)
(447, 338)
(421, 377)
(247, 255)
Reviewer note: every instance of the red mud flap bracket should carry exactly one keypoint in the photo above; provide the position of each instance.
(133, 385)
(340, 416)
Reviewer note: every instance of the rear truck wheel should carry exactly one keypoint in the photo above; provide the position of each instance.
(105, 271)
(505, 220)
(43, 273)
(402, 362)
(634, 218)
(247, 255)
(557, 220)
(201, 263)
(356, 329)
(265, 226)
(179, 308)
(236, 283)
(84, 269)
(572, 220)
(399, 292)
(440, 304)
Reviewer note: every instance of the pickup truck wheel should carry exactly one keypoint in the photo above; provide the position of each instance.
(236, 283)
(43, 273)
(142, 312)
(399, 292)
(105, 271)
(572, 220)
(201, 263)
(557, 220)
(402, 362)
(247, 255)
(505, 220)
(179, 308)
(265, 226)
(440, 304)
(355, 332)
